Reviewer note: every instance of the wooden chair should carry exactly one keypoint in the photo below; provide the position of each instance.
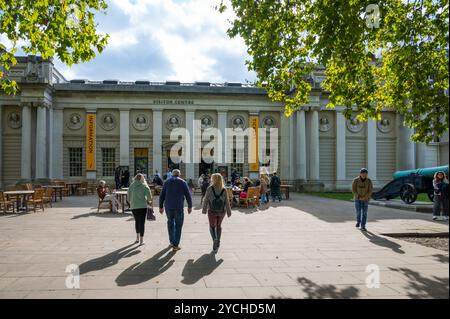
(28, 186)
(91, 188)
(252, 197)
(83, 189)
(48, 196)
(65, 190)
(5, 204)
(37, 199)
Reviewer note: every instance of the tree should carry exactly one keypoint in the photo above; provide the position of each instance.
(399, 61)
(62, 28)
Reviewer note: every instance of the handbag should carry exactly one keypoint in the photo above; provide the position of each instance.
(150, 214)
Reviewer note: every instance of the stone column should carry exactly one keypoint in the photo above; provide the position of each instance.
(49, 167)
(222, 125)
(41, 139)
(372, 149)
(405, 147)
(26, 143)
(300, 146)
(190, 168)
(314, 165)
(341, 174)
(292, 167)
(57, 152)
(157, 141)
(125, 137)
(284, 148)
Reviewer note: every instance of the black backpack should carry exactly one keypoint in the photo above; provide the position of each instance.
(217, 204)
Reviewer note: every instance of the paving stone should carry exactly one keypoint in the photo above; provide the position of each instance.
(306, 247)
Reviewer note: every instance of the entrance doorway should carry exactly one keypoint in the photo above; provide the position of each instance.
(141, 161)
(206, 168)
(171, 165)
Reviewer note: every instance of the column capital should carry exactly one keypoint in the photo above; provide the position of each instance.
(315, 108)
(37, 104)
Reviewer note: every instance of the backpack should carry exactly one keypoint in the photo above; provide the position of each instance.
(217, 204)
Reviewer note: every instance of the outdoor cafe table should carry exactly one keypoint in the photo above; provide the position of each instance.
(73, 186)
(56, 189)
(20, 194)
(122, 196)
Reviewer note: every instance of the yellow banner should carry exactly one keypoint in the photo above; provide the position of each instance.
(90, 142)
(253, 146)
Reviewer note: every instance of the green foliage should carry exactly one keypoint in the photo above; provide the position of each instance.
(400, 65)
(62, 28)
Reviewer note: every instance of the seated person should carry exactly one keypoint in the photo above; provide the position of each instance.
(247, 183)
(157, 180)
(237, 182)
(103, 194)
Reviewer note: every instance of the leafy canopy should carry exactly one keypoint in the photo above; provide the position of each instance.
(399, 64)
(62, 28)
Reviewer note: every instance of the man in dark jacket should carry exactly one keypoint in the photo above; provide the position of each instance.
(275, 190)
(172, 196)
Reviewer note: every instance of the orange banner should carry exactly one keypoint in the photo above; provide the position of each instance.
(253, 146)
(90, 142)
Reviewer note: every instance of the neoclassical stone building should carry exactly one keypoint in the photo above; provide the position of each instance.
(60, 129)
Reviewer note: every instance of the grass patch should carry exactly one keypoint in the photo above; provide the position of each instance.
(340, 196)
(348, 196)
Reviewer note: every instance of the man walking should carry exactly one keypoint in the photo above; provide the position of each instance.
(362, 189)
(172, 196)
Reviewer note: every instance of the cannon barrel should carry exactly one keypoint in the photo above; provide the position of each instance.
(428, 172)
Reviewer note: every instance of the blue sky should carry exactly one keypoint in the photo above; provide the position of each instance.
(161, 40)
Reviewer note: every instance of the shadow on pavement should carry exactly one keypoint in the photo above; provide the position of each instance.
(316, 291)
(193, 271)
(103, 215)
(383, 242)
(423, 287)
(151, 268)
(441, 258)
(108, 260)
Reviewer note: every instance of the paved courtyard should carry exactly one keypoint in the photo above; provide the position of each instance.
(306, 247)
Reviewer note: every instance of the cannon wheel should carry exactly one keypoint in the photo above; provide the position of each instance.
(431, 195)
(408, 193)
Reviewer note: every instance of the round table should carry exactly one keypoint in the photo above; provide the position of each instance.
(20, 194)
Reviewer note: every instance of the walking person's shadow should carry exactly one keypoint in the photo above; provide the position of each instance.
(380, 241)
(151, 268)
(193, 271)
(108, 260)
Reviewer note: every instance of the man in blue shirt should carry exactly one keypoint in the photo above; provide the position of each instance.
(172, 196)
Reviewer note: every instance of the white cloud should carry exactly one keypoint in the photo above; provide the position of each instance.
(188, 37)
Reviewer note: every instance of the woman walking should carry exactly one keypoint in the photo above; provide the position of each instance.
(216, 204)
(139, 195)
(440, 185)
(264, 184)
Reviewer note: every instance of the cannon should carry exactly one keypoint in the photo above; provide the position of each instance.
(408, 184)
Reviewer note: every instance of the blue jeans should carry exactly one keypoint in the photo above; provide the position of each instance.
(175, 218)
(264, 198)
(361, 212)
